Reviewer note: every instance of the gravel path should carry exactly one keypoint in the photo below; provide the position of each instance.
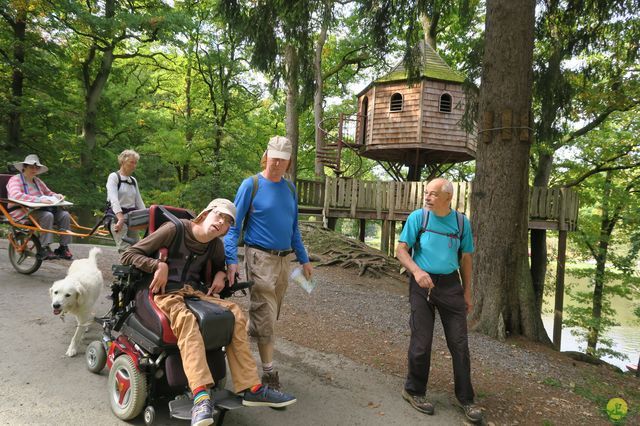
(366, 320)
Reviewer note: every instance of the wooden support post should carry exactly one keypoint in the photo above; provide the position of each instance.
(557, 316)
(384, 238)
(392, 238)
(328, 195)
(362, 229)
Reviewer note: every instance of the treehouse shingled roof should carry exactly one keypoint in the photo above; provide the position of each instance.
(419, 124)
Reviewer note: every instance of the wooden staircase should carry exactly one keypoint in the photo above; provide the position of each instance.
(337, 134)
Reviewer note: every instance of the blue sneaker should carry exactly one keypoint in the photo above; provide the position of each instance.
(202, 413)
(267, 397)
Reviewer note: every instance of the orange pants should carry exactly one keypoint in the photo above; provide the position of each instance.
(192, 351)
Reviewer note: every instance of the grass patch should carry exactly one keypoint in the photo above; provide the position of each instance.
(550, 381)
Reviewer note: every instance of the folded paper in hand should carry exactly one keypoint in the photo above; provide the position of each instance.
(297, 276)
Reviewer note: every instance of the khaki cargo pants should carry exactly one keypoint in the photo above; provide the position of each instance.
(192, 350)
(270, 274)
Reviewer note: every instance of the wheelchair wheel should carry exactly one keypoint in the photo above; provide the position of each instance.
(26, 259)
(127, 388)
(149, 415)
(96, 356)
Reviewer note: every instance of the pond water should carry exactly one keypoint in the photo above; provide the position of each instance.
(625, 337)
(626, 340)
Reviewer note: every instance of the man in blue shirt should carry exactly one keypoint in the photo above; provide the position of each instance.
(435, 283)
(268, 207)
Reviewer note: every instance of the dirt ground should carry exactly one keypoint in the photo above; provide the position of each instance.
(517, 382)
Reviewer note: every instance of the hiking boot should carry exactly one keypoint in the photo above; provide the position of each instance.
(419, 402)
(47, 254)
(63, 252)
(272, 380)
(472, 412)
(202, 413)
(267, 397)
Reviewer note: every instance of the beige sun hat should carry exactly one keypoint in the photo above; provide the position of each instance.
(31, 159)
(221, 205)
(279, 147)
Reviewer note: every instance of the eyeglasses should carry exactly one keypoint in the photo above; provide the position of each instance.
(228, 220)
(33, 165)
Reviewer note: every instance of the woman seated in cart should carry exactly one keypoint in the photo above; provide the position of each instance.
(26, 186)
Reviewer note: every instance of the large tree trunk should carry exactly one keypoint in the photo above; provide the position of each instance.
(550, 103)
(188, 130)
(93, 92)
(504, 297)
(606, 229)
(292, 116)
(598, 291)
(14, 119)
(318, 99)
(539, 253)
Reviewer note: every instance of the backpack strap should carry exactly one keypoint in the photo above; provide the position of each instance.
(460, 217)
(423, 228)
(120, 180)
(254, 190)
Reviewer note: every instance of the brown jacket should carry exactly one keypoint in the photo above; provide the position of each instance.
(140, 254)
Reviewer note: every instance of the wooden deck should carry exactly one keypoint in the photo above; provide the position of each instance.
(549, 208)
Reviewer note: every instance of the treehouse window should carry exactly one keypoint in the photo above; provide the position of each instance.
(396, 103)
(445, 102)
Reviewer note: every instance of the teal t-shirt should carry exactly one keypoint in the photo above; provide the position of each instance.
(438, 253)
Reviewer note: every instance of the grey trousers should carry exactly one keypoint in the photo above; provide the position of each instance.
(47, 220)
(448, 297)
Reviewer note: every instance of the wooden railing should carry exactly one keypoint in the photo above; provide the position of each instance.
(549, 208)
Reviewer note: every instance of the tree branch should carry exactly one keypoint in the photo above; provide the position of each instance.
(346, 61)
(598, 169)
(6, 55)
(9, 19)
(593, 124)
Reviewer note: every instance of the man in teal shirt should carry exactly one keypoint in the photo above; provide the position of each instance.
(435, 283)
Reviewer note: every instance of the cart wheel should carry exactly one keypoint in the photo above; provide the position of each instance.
(28, 260)
(127, 388)
(96, 356)
(149, 415)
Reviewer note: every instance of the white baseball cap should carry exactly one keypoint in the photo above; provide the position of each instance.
(221, 205)
(279, 147)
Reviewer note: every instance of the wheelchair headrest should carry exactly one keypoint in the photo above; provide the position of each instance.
(4, 179)
(155, 216)
(161, 214)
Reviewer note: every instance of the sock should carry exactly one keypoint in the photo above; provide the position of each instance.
(255, 388)
(267, 368)
(200, 394)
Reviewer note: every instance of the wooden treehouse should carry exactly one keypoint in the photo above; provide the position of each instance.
(405, 125)
(415, 125)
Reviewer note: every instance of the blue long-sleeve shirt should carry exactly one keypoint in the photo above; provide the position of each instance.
(273, 221)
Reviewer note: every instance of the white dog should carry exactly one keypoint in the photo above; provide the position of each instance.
(76, 294)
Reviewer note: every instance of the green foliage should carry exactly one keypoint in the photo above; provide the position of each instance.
(604, 167)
